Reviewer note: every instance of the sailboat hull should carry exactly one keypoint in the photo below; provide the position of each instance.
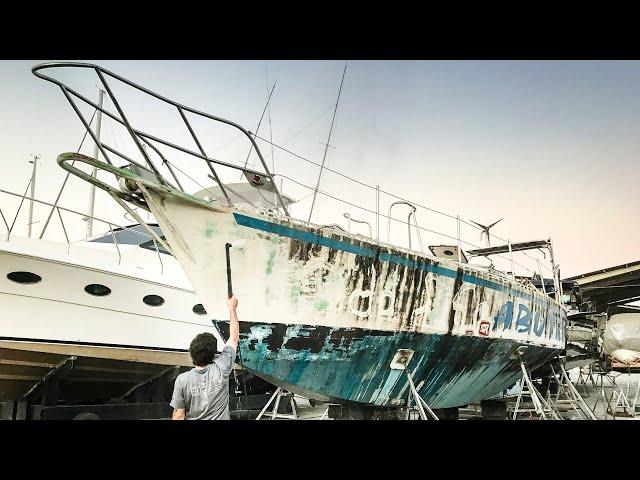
(323, 313)
(352, 365)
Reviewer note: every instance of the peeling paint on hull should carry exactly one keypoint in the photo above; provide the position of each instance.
(324, 312)
(352, 365)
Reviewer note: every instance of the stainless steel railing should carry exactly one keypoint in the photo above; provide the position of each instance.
(83, 216)
(140, 136)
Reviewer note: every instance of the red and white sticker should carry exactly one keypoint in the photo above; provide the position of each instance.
(484, 328)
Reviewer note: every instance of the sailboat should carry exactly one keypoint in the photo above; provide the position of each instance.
(327, 313)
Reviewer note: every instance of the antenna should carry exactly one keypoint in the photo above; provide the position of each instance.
(326, 147)
(94, 170)
(36, 157)
(485, 230)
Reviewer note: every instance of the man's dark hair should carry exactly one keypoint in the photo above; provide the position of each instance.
(203, 349)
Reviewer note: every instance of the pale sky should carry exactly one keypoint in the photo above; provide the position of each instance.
(551, 146)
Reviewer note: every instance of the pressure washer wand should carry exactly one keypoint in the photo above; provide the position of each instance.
(239, 244)
(229, 287)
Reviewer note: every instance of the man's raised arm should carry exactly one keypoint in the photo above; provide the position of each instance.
(234, 328)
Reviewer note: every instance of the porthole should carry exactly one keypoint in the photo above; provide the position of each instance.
(153, 300)
(448, 252)
(24, 277)
(97, 290)
(199, 309)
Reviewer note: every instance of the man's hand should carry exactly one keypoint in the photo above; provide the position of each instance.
(234, 327)
(232, 303)
(179, 414)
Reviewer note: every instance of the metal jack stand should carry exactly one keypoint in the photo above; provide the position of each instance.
(325, 414)
(568, 390)
(603, 395)
(400, 362)
(622, 398)
(277, 395)
(634, 407)
(540, 405)
(622, 401)
(586, 375)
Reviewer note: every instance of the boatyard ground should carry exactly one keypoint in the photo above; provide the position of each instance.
(591, 392)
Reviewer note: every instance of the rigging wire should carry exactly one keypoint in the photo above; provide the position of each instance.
(347, 177)
(20, 206)
(258, 127)
(326, 147)
(266, 72)
(66, 178)
(396, 220)
(299, 131)
(194, 180)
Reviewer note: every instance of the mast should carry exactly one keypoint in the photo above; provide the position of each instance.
(94, 171)
(33, 190)
(326, 147)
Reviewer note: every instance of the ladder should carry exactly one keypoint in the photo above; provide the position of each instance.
(540, 406)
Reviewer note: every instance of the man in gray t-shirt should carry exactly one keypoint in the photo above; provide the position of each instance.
(202, 393)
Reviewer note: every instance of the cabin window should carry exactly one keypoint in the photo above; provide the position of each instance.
(151, 245)
(448, 253)
(97, 290)
(153, 300)
(132, 235)
(199, 309)
(24, 277)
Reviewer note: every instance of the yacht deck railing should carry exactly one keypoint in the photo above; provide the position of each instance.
(57, 208)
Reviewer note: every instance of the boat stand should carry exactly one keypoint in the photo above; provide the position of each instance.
(622, 402)
(634, 406)
(400, 361)
(621, 398)
(571, 395)
(584, 377)
(540, 406)
(277, 396)
(420, 403)
(603, 395)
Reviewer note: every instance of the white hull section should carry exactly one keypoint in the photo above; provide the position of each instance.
(622, 337)
(58, 309)
(291, 274)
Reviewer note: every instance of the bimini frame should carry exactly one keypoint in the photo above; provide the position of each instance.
(139, 137)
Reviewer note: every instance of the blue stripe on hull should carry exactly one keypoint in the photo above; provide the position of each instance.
(352, 365)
